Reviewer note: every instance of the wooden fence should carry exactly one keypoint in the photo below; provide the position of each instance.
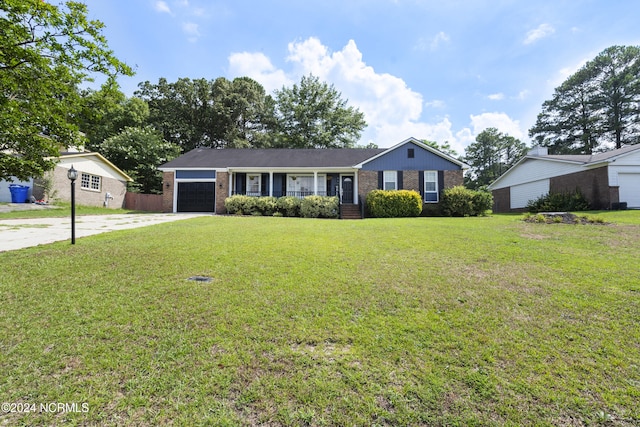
(143, 202)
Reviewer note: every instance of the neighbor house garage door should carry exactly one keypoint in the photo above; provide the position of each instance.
(521, 194)
(629, 189)
(196, 196)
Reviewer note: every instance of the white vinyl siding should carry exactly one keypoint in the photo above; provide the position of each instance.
(521, 194)
(390, 180)
(629, 190)
(534, 170)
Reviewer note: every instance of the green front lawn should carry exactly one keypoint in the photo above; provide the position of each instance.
(422, 321)
(61, 209)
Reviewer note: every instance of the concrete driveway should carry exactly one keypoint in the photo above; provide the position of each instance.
(23, 233)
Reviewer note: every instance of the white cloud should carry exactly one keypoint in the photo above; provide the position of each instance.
(191, 30)
(500, 121)
(496, 96)
(258, 67)
(392, 109)
(383, 98)
(543, 30)
(440, 38)
(436, 103)
(162, 7)
(523, 94)
(432, 43)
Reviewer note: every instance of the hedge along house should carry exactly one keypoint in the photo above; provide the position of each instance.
(201, 179)
(608, 180)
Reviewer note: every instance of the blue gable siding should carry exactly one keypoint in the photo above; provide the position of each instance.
(187, 174)
(399, 160)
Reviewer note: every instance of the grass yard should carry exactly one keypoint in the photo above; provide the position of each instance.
(423, 321)
(61, 209)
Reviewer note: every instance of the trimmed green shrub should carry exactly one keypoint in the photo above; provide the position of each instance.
(482, 201)
(288, 205)
(240, 205)
(394, 203)
(559, 202)
(319, 207)
(461, 201)
(309, 207)
(265, 205)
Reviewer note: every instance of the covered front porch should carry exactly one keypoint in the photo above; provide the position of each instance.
(296, 183)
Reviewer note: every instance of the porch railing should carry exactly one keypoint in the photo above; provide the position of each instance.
(298, 194)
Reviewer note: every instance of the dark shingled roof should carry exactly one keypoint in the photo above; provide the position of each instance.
(272, 158)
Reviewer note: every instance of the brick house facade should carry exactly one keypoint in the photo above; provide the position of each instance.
(202, 179)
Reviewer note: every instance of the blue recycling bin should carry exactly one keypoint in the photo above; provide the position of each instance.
(19, 193)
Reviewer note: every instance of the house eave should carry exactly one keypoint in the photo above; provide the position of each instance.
(99, 156)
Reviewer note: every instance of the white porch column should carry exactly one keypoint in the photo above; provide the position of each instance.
(315, 183)
(355, 187)
(270, 183)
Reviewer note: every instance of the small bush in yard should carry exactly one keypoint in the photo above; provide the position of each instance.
(241, 205)
(559, 202)
(460, 201)
(319, 207)
(288, 205)
(265, 205)
(394, 203)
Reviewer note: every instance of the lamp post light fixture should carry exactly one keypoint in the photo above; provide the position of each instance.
(73, 175)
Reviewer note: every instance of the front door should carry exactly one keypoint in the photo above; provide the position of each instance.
(346, 185)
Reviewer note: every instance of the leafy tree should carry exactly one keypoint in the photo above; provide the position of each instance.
(491, 155)
(596, 106)
(568, 121)
(617, 76)
(312, 114)
(182, 111)
(242, 111)
(108, 111)
(201, 113)
(46, 51)
(445, 147)
(138, 152)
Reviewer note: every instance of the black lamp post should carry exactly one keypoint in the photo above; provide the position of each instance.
(73, 175)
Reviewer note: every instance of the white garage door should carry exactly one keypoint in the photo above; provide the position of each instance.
(521, 194)
(630, 189)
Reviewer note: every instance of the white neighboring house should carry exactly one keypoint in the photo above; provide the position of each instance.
(99, 183)
(609, 180)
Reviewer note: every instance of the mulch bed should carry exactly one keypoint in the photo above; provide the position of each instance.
(562, 218)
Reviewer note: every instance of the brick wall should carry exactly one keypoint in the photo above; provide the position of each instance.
(502, 200)
(367, 182)
(222, 191)
(61, 190)
(593, 183)
(453, 178)
(410, 180)
(167, 192)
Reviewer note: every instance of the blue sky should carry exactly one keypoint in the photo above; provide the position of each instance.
(441, 70)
